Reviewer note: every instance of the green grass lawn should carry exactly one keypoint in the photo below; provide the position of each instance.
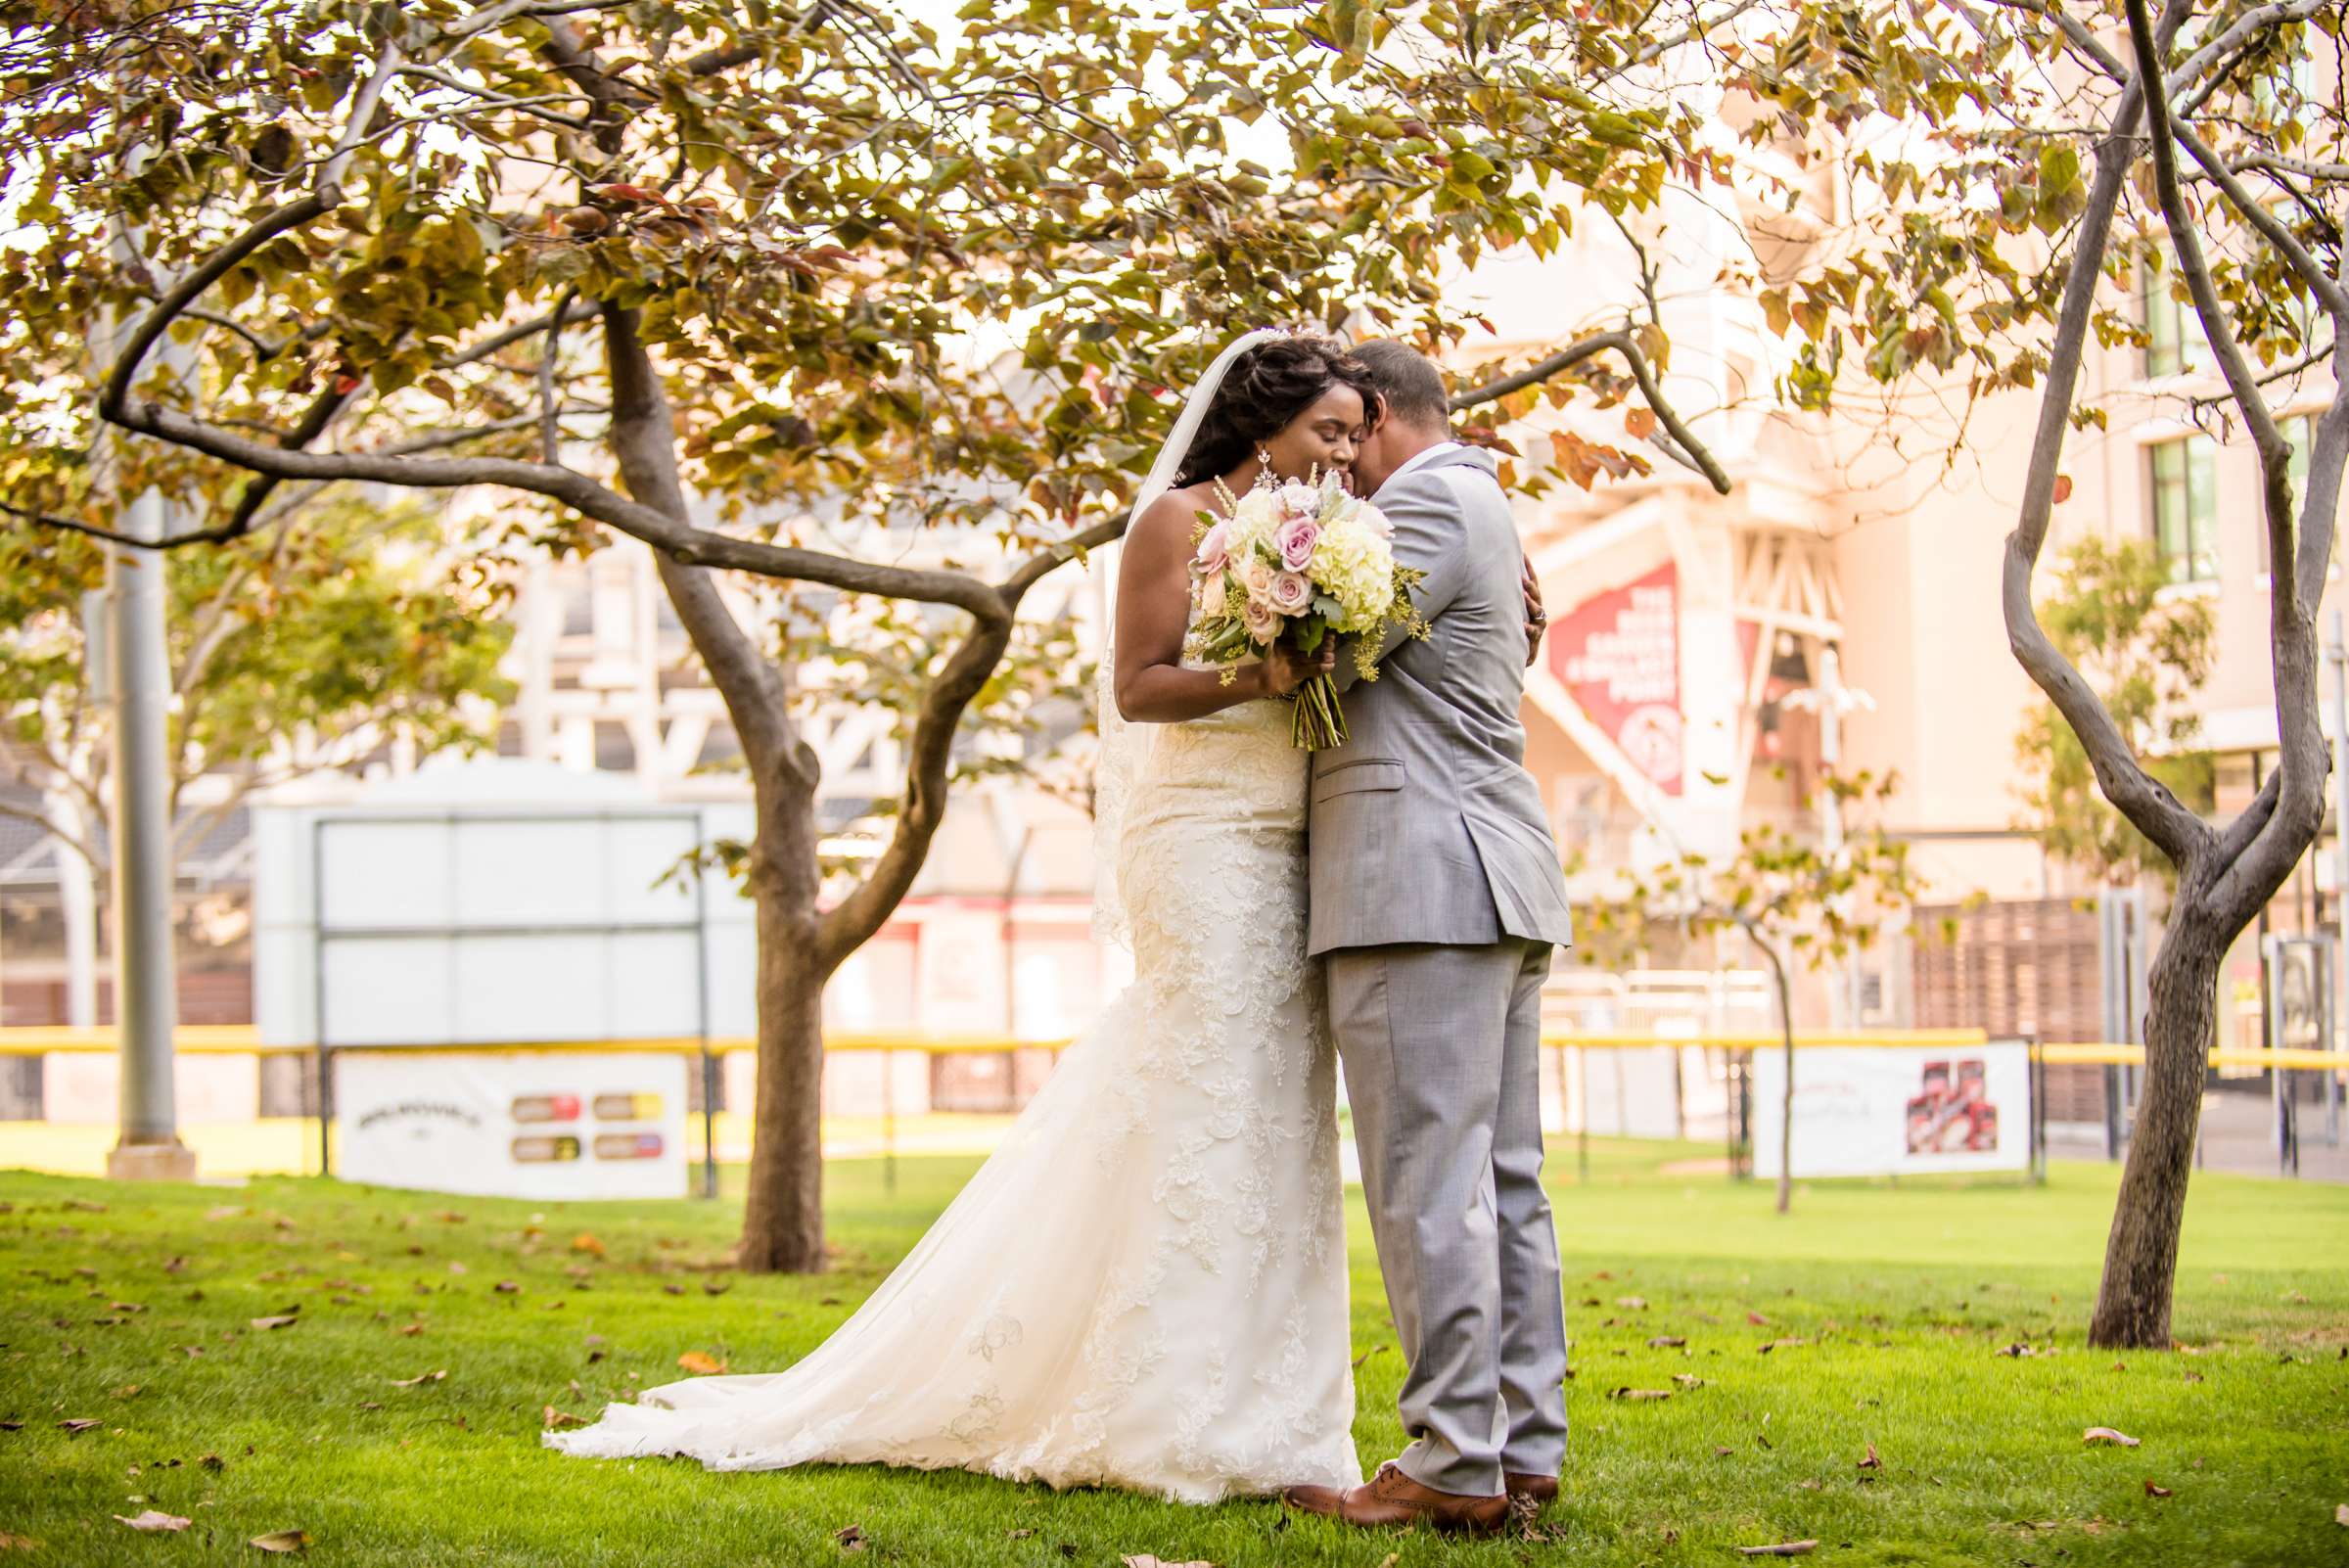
(1887, 1307)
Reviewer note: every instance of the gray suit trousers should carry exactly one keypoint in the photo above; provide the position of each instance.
(1442, 1052)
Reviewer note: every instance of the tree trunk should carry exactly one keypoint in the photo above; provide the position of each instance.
(783, 1213)
(2140, 1258)
(1786, 1105)
(1786, 993)
(783, 1219)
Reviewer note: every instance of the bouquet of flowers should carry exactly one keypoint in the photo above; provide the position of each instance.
(1301, 560)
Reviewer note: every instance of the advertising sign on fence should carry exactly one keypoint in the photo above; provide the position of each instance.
(519, 1124)
(1879, 1110)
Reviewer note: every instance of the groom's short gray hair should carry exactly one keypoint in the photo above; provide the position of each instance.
(1409, 380)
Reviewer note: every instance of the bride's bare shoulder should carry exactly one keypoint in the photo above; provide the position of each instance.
(1174, 516)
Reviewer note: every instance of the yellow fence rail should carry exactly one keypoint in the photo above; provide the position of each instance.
(236, 1040)
(243, 1039)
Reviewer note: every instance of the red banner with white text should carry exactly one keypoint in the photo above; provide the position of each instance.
(1619, 653)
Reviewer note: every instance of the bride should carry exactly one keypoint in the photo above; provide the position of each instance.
(1145, 1286)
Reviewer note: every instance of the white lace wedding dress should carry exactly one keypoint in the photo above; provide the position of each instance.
(1145, 1286)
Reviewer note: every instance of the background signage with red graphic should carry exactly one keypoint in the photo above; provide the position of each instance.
(1865, 1111)
(526, 1125)
(1619, 653)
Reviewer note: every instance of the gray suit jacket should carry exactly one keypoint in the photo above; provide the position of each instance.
(1425, 827)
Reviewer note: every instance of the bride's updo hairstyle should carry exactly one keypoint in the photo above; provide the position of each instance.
(1266, 387)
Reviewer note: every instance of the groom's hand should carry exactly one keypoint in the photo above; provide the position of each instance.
(1537, 618)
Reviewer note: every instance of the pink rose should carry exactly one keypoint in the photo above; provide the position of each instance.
(1263, 622)
(1291, 593)
(1256, 578)
(1296, 541)
(1214, 549)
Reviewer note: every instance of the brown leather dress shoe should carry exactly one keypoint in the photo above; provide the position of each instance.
(1529, 1494)
(1391, 1498)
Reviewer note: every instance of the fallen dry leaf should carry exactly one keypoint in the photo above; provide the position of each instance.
(701, 1362)
(1640, 1393)
(434, 1376)
(554, 1417)
(1757, 1319)
(1366, 1356)
(9, 1542)
(2340, 1516)
(2152, 1490)
(153, 1520)
(851, 1538)
(1687, 1380)
(281, 1541)
(585, 1242)
(1632, 1303)
(81, 1423)
(1666, 1341)
(1143, 1560)
(1782, 1344)
(1784, 1548)
(1872, 1462)
(2106, 1434)
(278, 1321)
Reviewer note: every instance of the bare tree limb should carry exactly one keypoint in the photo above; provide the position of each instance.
(550, 428)
(493, 99)
(2155, 812)
(2246, 203)
(845, 926)
(1621, 341)
(85, 848)
(580, 311)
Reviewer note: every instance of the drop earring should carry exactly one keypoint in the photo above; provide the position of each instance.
(1264, 455)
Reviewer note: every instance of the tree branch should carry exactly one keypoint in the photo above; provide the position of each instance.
(1621, 341)
(2253, 211)
(74, 842)
(848, 924)
(579, 310)
(643, 436)
(2304, 757)
(550, 428)
(2152, 809)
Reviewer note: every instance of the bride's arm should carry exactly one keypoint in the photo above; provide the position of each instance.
(1154, 589)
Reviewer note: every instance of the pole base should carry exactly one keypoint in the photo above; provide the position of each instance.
(151, 1162)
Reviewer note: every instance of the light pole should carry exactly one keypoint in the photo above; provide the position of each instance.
(146, 1001)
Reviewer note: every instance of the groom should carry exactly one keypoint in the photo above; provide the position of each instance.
(1437, 899)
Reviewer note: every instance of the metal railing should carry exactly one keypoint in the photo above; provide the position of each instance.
(1740, 1046)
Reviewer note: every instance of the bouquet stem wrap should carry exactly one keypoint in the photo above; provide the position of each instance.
(1319, 722)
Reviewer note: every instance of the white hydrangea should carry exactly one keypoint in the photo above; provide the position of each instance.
(1353, 564)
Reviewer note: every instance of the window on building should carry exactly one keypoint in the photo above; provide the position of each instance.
(2286, 92)
(2175, 343)
(2185, 488)
(2301, 431)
